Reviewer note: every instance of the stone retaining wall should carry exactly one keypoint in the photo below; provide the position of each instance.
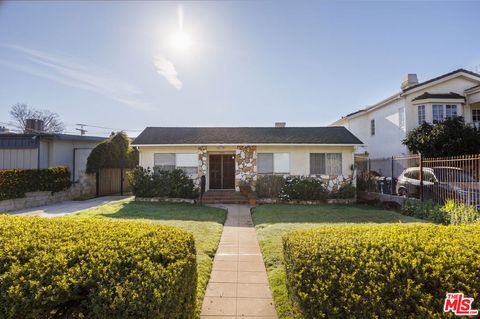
(84, 188)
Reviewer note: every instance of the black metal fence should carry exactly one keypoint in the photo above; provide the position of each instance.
(436, 179)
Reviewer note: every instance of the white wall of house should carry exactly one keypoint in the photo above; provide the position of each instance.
(299, 156)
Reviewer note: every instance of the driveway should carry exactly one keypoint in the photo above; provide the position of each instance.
(67, 207)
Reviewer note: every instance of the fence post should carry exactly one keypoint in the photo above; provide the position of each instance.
(121, 181)
(392, 181)
(421, 177)
(97, 182)
(368, 175)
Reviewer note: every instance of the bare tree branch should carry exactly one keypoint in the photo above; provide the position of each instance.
(21, 112)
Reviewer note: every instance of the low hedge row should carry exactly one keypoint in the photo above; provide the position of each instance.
(448, 214)
(85, 268)
(381, 271)
(298, 188)
(14, 183)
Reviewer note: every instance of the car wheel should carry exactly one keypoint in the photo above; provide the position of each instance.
(402, 192)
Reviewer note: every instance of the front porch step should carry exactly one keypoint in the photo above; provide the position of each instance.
(224, 197)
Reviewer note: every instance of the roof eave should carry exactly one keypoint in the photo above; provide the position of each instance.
(247, 144)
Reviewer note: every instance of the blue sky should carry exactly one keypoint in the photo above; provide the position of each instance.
(250, 63)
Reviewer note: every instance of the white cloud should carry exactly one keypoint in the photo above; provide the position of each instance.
(69, 71)
(166, 68)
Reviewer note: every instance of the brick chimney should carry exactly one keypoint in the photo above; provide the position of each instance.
(409, 80)
(280, 124)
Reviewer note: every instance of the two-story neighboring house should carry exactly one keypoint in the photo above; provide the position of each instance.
(382, 126)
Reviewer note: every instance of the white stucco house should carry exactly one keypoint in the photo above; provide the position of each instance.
(384, 125)
(231, 156)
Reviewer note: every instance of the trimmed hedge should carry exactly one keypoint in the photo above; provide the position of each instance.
(175, 184)
(303, 188)
(87, 268)
(14, 183)
(269, 186)
(381, 271)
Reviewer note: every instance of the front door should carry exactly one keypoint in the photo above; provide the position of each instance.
(222, 171)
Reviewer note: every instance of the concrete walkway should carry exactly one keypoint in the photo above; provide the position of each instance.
(66, 207)
(238, 286)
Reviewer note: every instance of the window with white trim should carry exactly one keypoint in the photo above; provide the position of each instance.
(188, 162)
(273, 163)
(476, 115)
(450, 111)
(437, 113)
(401, 117)
(164, 161)
(421, 114)
(325, 163)
(372, 127)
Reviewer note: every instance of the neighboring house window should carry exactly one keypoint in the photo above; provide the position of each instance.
(421, 114)
(450, 111)
(269, 163)
(372, 127)
(475, 115)
(401, 117)
(169, 161)
(325, 163)
(437, 113)
(187, 162)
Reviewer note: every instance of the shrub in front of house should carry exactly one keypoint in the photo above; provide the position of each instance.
(303, 188)
(173, 184)
(448, 214)
(88, 268)
(14, 183)
(347, 191)
(269, 186)
(381, 271)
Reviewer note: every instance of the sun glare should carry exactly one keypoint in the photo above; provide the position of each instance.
(181, 41)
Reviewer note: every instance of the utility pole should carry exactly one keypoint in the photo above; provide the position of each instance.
(81, 129)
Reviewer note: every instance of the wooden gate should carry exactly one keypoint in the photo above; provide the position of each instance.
(111, 181)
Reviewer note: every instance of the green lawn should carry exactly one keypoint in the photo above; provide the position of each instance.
(205, 223)
(273, 221)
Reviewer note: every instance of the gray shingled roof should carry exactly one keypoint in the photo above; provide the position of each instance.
(245, 135)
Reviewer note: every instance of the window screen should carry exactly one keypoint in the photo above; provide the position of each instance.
(334, 163)
(188, 163)
(265, 163)
(437, 113)
(329, 163)
(317, 163)
(421, 114)
(164, 161)
(281, 163)
(450, 111)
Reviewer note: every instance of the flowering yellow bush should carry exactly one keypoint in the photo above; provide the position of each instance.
(381, 271)
(87, 268)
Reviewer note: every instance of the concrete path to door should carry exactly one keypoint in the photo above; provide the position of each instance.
(238, 286)
(67, 207)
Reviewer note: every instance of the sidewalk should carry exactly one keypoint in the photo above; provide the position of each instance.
(238, 286)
